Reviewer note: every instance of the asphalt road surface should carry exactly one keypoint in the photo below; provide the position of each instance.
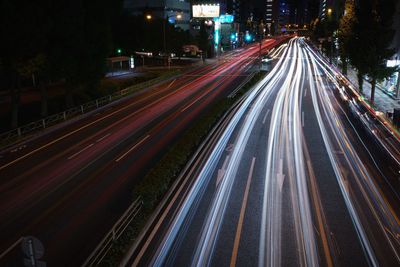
(302, 174)
(68, 186)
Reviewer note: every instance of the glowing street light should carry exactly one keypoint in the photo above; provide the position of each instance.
(329, 11)
(248, 37)
(149, 16)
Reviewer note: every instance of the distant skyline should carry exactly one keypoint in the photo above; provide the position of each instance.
(301, 11)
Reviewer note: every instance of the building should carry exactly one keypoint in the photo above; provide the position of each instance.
(322, 9)
(233, 7)
(271, 15)
(269, 12)
(167, 9)
(284, 13)
(336, 7)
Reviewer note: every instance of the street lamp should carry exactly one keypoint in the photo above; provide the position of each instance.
(178, 17)
(331, 37)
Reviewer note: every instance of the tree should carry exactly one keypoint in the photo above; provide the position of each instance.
(47, 40)
(345, 33)
(374, 35)
(23, 32)
(80, 42)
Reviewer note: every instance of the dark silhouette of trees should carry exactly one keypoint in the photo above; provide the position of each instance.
(47, 40)
(136, 33)
(345, 33)
(365, 35)
(375, 20)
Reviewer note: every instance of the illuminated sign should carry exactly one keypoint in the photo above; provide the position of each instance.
(132, 62)
(226, 18)
(217, 32)
(205, 11)
(392, 63)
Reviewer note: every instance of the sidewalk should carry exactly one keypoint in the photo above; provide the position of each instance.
(382, 101)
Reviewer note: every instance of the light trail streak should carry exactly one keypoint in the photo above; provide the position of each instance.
(379, 208)
(213, 221)
(285, 141)
(288, 170)
(341, 180)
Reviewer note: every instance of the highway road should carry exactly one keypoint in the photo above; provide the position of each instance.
(68, 186)
(301, 173)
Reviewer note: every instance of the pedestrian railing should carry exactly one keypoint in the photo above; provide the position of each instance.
(19, 133)
(117, 230)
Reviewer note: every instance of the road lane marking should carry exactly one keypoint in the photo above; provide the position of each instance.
(132, 148)
(221, 172)
(229, 147)
(80, 151)
(319, 212)
(265, 117)
(171, 84)
(280, 176)
(88, 125)
(191, 104)
(302, 119)
(241, 216)
(104, 137)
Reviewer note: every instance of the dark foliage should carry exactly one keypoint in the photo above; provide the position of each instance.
(44, 41)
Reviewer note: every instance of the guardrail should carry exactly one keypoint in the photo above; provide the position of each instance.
(385, 120)
(117, 230)
(10, 248)
(17, 134)
(234, 92)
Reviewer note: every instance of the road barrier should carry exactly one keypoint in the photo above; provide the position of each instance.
(117, 230)
(15, 135)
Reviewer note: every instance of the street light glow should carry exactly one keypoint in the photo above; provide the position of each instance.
(149, 17)
(329, 11)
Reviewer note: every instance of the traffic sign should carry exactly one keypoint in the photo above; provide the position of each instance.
(34, 250)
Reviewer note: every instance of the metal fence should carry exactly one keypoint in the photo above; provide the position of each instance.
(118, 229)
(17, 134)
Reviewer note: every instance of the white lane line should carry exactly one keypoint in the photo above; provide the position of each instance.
(280, 176)
(265, 117)
(104, 137)
(171, 84)
(241, 216)
(221, 172)
(191, 104)
(302, 118)
(305, 92)
(132, 148)
(86, 126)
(80, 151)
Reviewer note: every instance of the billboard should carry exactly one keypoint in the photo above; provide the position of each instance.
(205, 11)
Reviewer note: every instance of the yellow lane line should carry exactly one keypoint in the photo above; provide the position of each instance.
(241, 217)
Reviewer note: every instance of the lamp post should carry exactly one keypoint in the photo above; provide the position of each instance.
(178, 17)
(164, 23)
(331, 37)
